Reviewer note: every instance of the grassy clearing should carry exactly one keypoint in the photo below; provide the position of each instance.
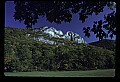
(89, 73)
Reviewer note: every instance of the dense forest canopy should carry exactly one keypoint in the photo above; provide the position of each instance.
(23, 53)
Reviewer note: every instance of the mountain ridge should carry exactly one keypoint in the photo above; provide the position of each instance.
(105, 44)
(52, 32)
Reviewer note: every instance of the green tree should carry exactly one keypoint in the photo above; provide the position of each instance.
(62, 56)
(37, 59)
(25, 55)
(10, 59)
(48, 55)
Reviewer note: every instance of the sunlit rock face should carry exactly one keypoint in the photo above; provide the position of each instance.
(73, 37)
(52, 32)
(45, 40)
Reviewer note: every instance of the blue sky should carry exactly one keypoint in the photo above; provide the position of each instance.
(75, 25)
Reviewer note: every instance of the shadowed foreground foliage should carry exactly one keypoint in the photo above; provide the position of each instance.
(62, 11)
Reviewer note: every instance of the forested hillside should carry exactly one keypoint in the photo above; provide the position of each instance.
(105, 44)
(22, 53)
